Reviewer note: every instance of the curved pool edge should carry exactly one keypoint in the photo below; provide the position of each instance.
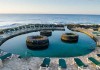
(22, 33)
(90, 35)
(57, 56)
(11, 36)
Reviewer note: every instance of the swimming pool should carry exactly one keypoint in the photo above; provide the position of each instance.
(57, 48)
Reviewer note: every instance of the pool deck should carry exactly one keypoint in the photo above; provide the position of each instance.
(89, 33)
(34, 63)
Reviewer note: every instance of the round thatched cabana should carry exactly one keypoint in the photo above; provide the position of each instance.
(46, 33)
(69, 37)
(37, 42)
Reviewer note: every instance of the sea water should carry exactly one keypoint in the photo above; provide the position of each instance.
(8, 19)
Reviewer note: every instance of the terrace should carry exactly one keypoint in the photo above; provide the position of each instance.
(33, 63)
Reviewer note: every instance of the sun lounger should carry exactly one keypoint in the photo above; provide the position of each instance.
(1, 64)
(96, 62)
(45, 63)
(80, 64)
(98, 55)
(20, 56)
(5, 56)
(62, 64)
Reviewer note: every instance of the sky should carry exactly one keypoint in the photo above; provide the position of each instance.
(50, 6)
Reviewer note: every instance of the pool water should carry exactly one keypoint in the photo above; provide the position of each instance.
(57, 48)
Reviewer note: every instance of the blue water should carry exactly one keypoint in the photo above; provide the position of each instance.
(6, 19)
(57, 48)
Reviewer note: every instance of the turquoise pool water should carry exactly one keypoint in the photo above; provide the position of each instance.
(57, 48)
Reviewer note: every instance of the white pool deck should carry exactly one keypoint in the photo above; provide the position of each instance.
(33, 63)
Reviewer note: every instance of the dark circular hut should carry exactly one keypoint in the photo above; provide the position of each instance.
(37, 42)
(69, 37)
(46, 33)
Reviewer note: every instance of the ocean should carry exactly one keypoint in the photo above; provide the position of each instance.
(9, 19)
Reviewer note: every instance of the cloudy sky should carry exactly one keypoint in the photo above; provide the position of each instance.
(50, 6)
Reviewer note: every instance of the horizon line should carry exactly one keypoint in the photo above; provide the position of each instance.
(51, 13)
